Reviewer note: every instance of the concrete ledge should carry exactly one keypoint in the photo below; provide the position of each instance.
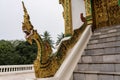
(98, 73)
(51, 78)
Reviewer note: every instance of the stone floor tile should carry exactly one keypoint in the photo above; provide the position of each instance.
(91, 77)
(105, 77)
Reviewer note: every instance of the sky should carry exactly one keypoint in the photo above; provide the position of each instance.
(45, 15)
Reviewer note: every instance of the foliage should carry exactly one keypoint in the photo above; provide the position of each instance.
(17, 52)
(8, 55)
(47, 38)
(16, 42)
(27, 52)
(59, 38)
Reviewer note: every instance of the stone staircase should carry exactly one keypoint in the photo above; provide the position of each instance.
(101, 58)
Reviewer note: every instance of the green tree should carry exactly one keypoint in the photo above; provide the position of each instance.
(16, 42)
(27, 52)
(59, 38)
(7, 53)
(47, 38)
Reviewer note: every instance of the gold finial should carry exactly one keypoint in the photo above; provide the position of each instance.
(26, 15)
(25, 10)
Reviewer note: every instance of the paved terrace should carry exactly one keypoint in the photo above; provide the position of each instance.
(16, 72)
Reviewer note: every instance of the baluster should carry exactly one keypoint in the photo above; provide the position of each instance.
(2, 69)
(13, 69)
(8, 69)
(5, 70)
(21, 68)
(17, 69)
(24, 68)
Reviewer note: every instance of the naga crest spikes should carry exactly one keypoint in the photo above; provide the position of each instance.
(25, 10)
(26, 15)
(27, 27)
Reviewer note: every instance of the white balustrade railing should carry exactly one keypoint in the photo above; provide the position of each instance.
(11, 69)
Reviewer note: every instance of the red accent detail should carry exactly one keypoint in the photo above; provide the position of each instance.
(82, 17)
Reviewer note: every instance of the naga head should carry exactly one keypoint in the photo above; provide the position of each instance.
(28, 32)
(27, 27)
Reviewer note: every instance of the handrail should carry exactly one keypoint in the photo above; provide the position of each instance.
(13, 69)
(66, 69)
(69, 64)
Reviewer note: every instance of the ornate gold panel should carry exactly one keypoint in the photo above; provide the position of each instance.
(113, 12)
(88, 9)
(67, 15)
(101, 17)
(107, 12)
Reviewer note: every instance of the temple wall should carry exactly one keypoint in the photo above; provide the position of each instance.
(78, 6)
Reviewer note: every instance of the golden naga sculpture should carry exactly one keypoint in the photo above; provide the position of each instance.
(46, 63)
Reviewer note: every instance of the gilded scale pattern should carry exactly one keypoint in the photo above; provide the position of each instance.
(107, 12)
(113, 12)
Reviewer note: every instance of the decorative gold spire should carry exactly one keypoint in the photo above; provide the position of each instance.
(25, 10)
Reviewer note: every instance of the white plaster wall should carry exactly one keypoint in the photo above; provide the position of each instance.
(78, 6)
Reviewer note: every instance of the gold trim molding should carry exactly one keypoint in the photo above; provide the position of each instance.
(67, 15)
(88, 9)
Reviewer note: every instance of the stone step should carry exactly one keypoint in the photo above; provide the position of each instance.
(101, 67)
(103, 40)
(111, 58)
(101, 51)
(104, 29)
(102, 36)
(96, 75)
(104, 45)
(106, 32)
(101, 58)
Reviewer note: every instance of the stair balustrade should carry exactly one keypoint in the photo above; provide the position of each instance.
(13, 69)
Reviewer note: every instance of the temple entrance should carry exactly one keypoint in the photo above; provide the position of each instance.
(105, 12)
